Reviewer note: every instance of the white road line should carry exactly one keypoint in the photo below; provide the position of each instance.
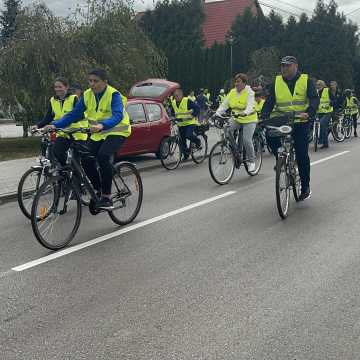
(329, 157)
(100, 239)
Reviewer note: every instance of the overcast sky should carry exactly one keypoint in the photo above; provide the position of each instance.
(62, 7)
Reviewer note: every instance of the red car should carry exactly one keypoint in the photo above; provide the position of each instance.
(150, 123)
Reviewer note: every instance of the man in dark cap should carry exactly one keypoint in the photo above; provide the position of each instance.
(293, 91)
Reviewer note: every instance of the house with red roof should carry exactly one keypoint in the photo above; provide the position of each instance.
(219, 16)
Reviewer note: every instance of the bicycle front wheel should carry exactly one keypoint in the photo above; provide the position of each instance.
(258, 148)
(29, 184)
(316, 137)
(348, 127)
(56, 213)
(198, 154)
(282, 188)
(337, 131)
(127, 193)
(170, 153)
(221, 163)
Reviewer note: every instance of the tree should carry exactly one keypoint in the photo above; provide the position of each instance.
(45, 46)
(8, 20)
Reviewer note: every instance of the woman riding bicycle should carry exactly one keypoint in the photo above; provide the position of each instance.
(60, 104)
(104, 107)
(241, 101)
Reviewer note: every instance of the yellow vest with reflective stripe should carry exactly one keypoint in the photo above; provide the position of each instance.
(259, 105)
(60, 109)
(183, 113)
(287, 102)
(351, 105)
(237, 104)
(325, 106)
(96, 113)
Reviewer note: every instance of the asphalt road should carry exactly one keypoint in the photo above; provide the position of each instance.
(224, 278)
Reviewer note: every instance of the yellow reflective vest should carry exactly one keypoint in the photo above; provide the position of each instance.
(238, 103)
(259, 105)
(96, 113)
(325, 106)
(351, 104)
(286, 102)
(60, 108)
(183, 113)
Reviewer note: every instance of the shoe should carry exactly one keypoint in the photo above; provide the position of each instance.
(305, 194)
(105, 204)
(355, 134)
(324, 147)
(251, 166)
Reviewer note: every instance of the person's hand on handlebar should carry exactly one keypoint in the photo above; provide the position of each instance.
(96, 128)
(304, 116)
(49, 127)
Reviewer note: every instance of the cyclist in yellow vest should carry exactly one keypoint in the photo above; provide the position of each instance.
(241, 102)
(324, 112)
(259, 102)
(352, 103)
(192, 96)
(221, 97)
(294, 92)
(60, 104)
(104, 107)
(186, 111)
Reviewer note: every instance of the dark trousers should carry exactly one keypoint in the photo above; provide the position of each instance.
(301, 144)
(354, 117)
(61, 146)
(103, 152)
(187, 132)
(324, 128)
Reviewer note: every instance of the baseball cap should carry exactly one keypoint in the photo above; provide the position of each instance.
(287, 60)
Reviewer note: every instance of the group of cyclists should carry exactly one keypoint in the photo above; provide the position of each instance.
(101, 108)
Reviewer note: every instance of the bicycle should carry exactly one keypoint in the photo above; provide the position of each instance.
(336, 126)
(34, 177)
(226, 155)
(316, 132)
(287, 175)
(171, 150)
(56, 210)
(348, 123)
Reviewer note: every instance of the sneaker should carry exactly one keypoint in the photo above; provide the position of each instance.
(355, 134)
(251, 166)
(305, 194)
(324, 147)
(105, 204)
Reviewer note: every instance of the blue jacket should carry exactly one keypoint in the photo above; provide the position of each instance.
(77, 113)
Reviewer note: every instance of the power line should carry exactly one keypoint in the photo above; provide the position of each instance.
(352, 12)
(278, 9)
(294, 6)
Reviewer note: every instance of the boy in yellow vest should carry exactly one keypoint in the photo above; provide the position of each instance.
(352, 103)
(324, 112)
(104, 107)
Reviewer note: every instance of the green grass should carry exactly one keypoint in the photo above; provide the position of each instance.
(19, 148)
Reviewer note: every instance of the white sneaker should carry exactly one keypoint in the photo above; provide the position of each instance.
(251, 166)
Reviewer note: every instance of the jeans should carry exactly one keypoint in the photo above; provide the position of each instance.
(103, 152)
(246, 140)
(187, 133)
(354, 117)
(324, 128)
(301, 143)
(61, 146)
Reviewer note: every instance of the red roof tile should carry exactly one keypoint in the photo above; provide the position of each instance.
(219, 17)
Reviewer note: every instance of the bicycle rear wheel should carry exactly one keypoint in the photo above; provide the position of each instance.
(29, 184)
(221, 163)
(199, 154)
(170, 153)
(348, 127)
(282, 188)
(56, 213)
(127, 193)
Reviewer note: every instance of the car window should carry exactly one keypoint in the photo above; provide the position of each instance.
(136, 113)
(154, 112)
(148, 90)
